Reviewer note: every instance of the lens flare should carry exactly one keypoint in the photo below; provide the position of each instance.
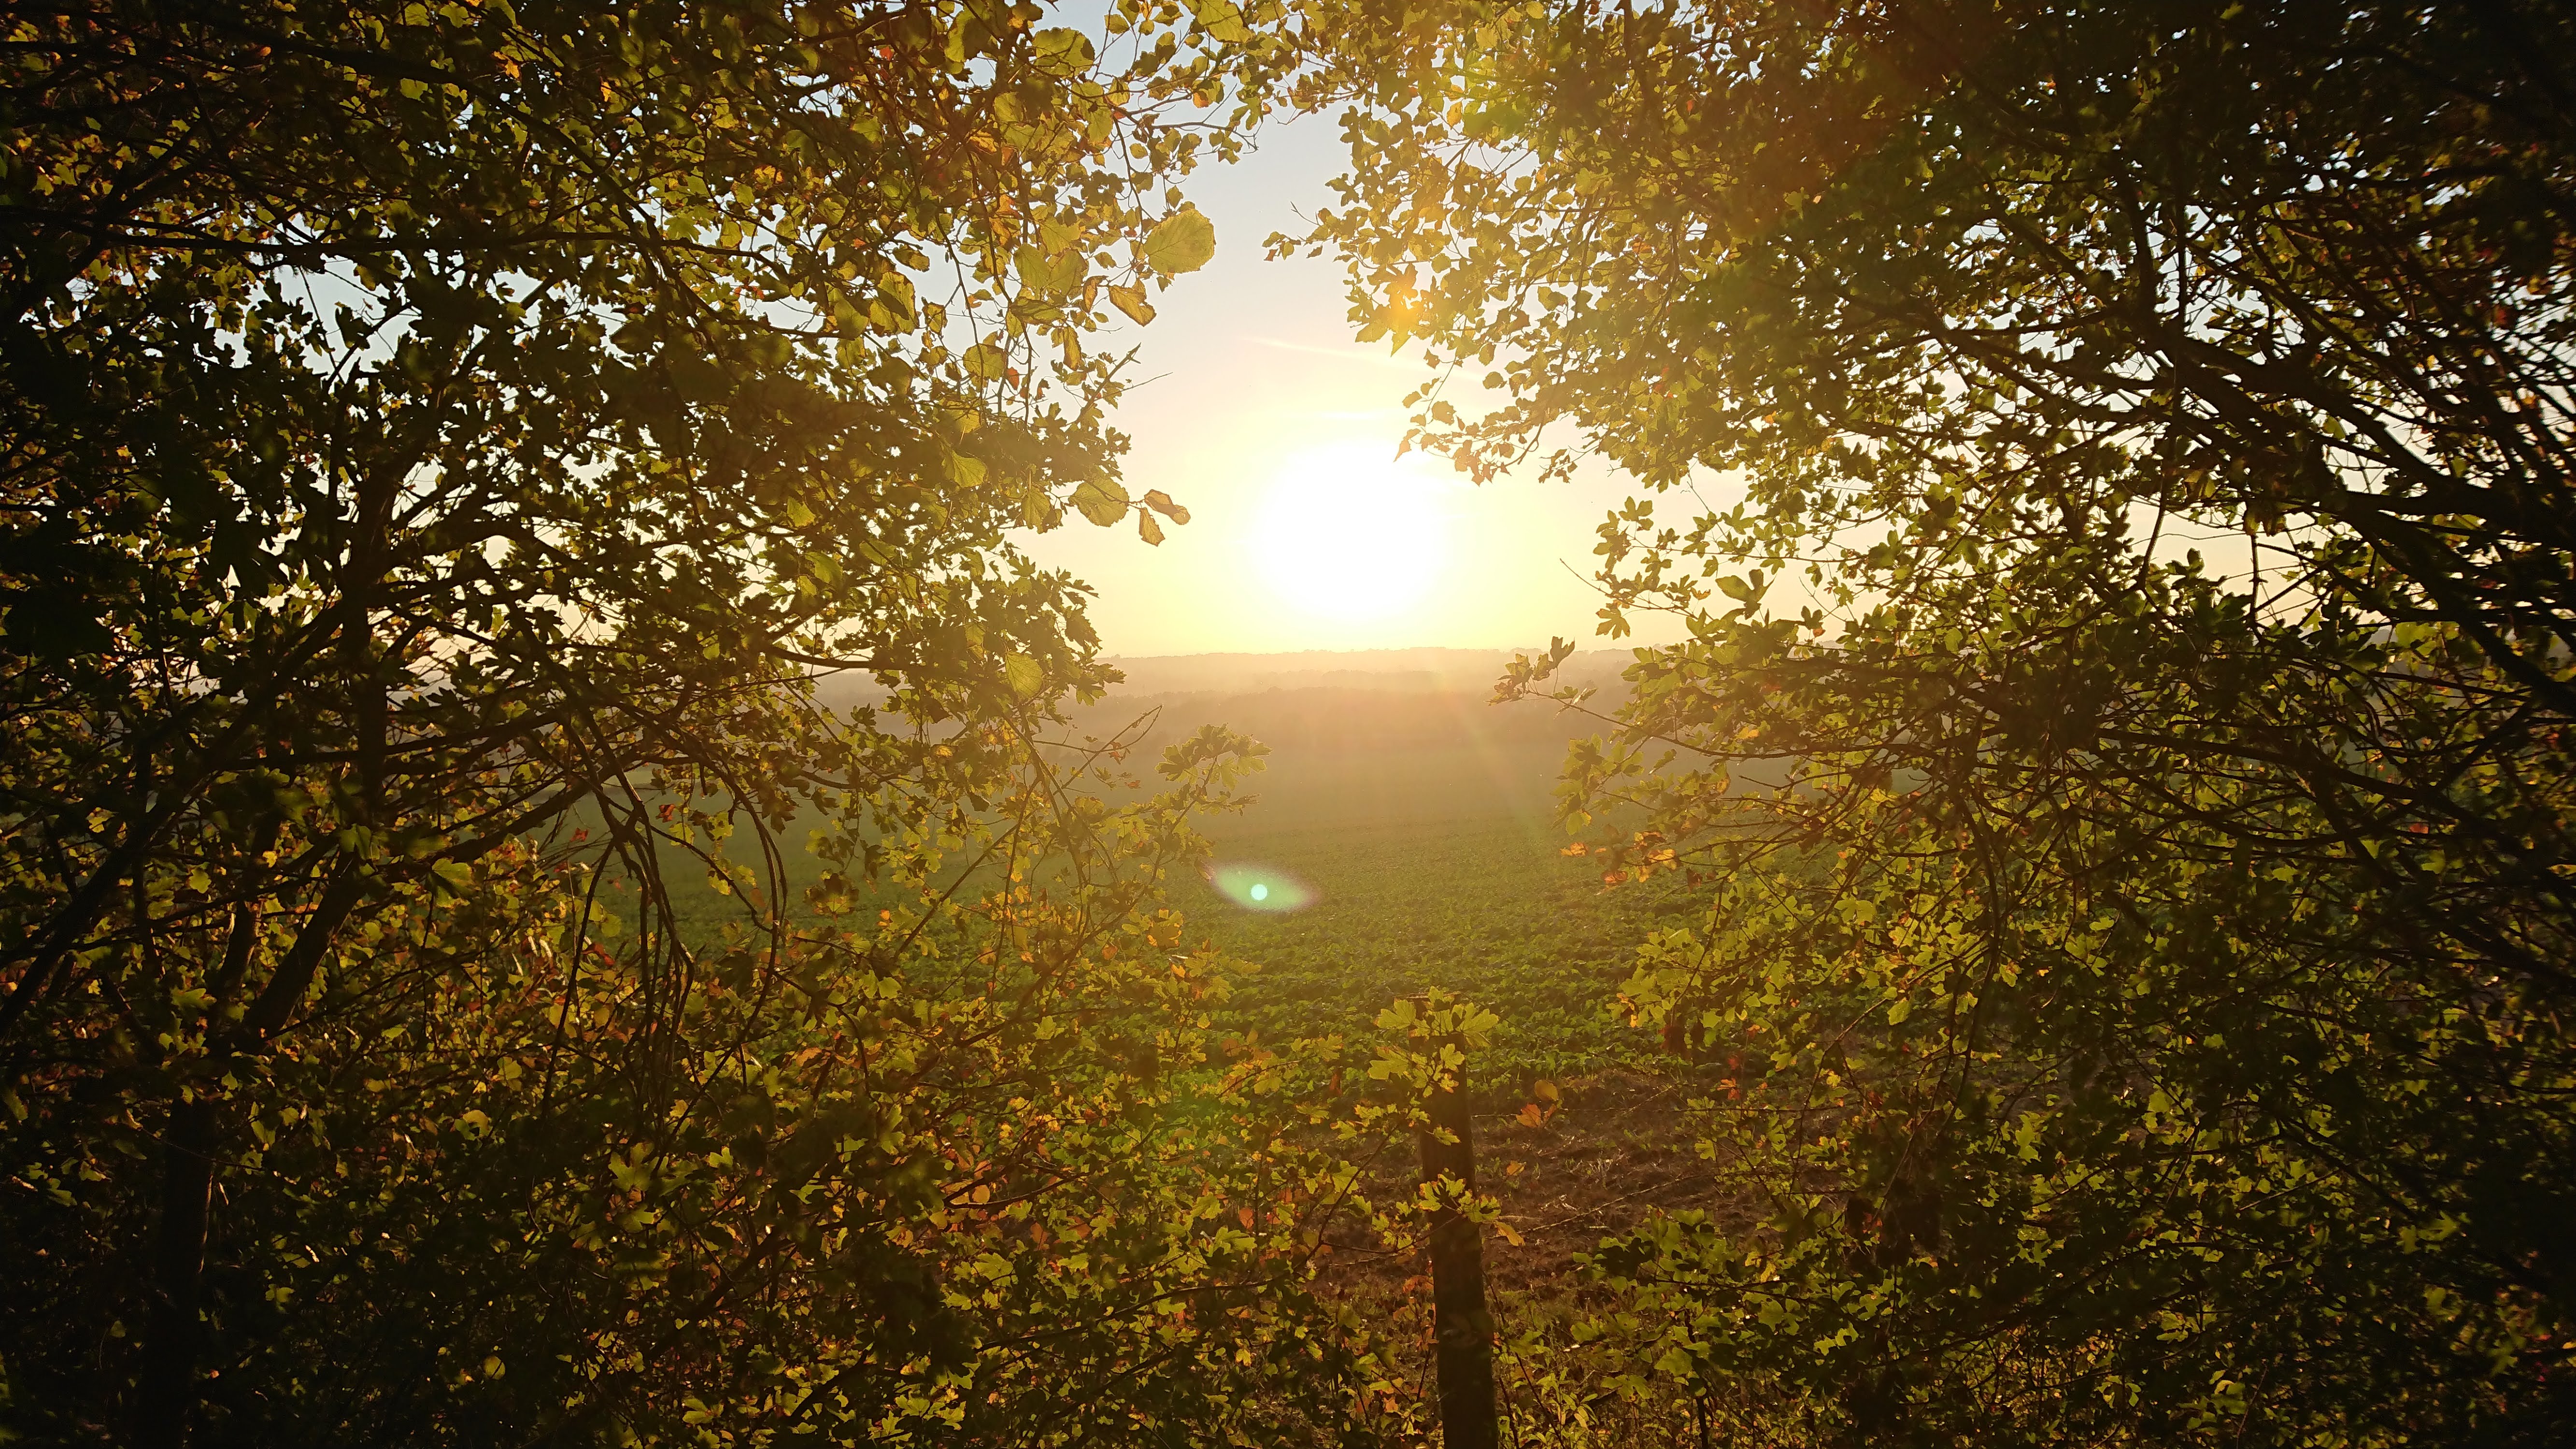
(1260, 887)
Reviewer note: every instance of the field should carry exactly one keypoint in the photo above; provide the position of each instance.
(1424, 822)
(1431, 866)
(1434, 859)
(1424, 827)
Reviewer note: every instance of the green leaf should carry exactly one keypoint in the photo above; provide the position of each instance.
(1026, 675)
(1053, 275)
(1222, 19)
(1061, 52)
(987, 361)
(1101, 500)
(1181, 242)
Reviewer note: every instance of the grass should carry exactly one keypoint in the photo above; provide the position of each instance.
(1436, 862)
(1473, 905)
(1436, 865)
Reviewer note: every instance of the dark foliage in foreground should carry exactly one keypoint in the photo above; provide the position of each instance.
(2167, 413)
(440, 443)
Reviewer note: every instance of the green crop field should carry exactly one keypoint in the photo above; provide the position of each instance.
(1434, 860)
(1430, 867)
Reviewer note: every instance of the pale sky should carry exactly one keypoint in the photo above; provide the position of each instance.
(1257, 413)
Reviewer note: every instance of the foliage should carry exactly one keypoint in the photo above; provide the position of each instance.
(2140, 1016)
(435, 432)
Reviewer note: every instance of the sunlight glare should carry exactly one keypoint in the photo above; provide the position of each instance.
(1349, 531)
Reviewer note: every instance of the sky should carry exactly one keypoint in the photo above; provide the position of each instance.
(1251, 407)
(1254, 409)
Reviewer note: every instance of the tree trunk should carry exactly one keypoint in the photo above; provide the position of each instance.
(165, 1390)
(1462, 1328)
(165, 1386)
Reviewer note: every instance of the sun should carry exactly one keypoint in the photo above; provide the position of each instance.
(1348, 531)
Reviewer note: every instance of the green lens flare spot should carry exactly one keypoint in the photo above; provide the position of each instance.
(1257, 887)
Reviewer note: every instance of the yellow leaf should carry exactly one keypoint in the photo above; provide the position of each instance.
(1104, 503)
(1131, 300)
(1053, 275)
(1061, 52)
(1161, 502)
(1148, 529)
(1223, 19)
(1182, 241)
(987, 361)
(895, 290)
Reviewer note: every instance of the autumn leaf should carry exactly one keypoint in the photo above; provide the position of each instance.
(1223, 20)
(987, 361)
(1131, 300)
(1101, 500)
(1181, 242)
(1026, 675)
(1061, 52)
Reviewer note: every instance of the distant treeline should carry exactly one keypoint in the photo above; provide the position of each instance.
(1468, 675)
(1339, 719)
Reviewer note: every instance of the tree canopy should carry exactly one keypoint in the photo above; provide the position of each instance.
(2123, 465)
(2109, 465)
(445, 446)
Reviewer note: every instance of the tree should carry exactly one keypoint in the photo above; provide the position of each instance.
(2139, 1015)
(445, 447)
